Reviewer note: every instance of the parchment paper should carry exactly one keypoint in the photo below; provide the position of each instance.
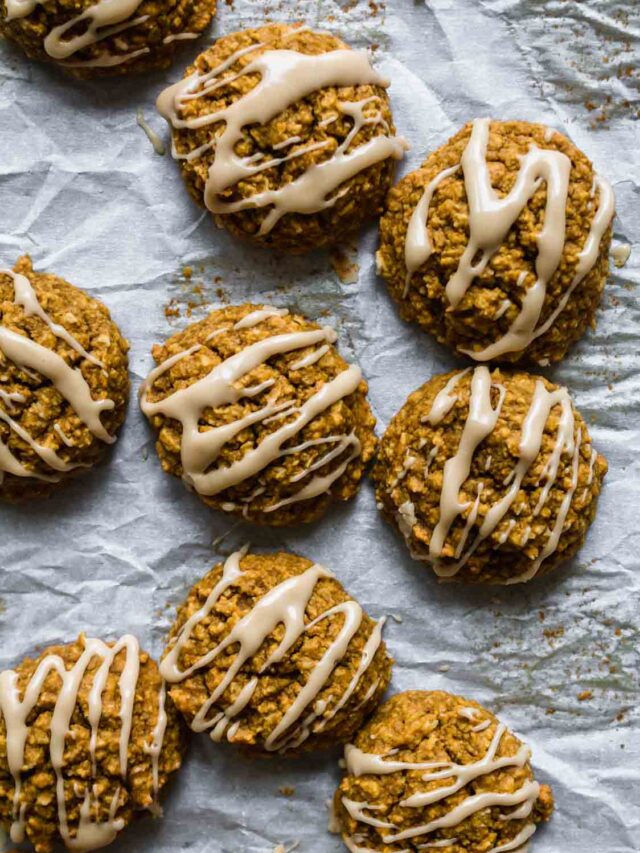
(82, 190)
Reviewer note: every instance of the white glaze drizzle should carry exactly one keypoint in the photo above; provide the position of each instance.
(68, 381)
(503, 307)
(156, 143)
(360, 763)
(103, 19)
(444, 400)
(154, 748)
(553, 538)
(353, 845)
(479, 424)
(284, 604)
(199, 450)
(180, 37)
(491, 216)
(418, 247)
(47, 454)
(89, 834)
(472, 715)
(63, 436)
(10, 398)
(26, 297)
(314, 356)
(258, 316)
(9, 464)
(286, 76)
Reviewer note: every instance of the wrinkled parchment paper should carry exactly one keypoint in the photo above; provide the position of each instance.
(82, 190)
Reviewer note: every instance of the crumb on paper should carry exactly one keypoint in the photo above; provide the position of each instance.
(187, 272)
(287, 790)
(334, 824)
(172, 309)
(344, 261)
(620, 254)
(284, 848)
(552, 634)
(444, 667)
(585, 696)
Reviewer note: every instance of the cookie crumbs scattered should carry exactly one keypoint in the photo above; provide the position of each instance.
(343, 259)
(585, 696)
(172, 309)
(552, 634)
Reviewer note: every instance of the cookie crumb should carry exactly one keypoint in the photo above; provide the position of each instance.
(287, 790)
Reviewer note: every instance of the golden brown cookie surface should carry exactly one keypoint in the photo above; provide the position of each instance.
(285, 134)
(64, 381)
(92, 759)
(260, 415)
(433, 770)
(499, 244)
(270, 653)
(491, 477)
(98, 38)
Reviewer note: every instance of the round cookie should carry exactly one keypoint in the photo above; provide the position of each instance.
(285, 135)
(64, 381)
(258, 413)
(98, 38)
(431, 768)
(491, 477)
(270, 653)
(88, 740)
(499, 244)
